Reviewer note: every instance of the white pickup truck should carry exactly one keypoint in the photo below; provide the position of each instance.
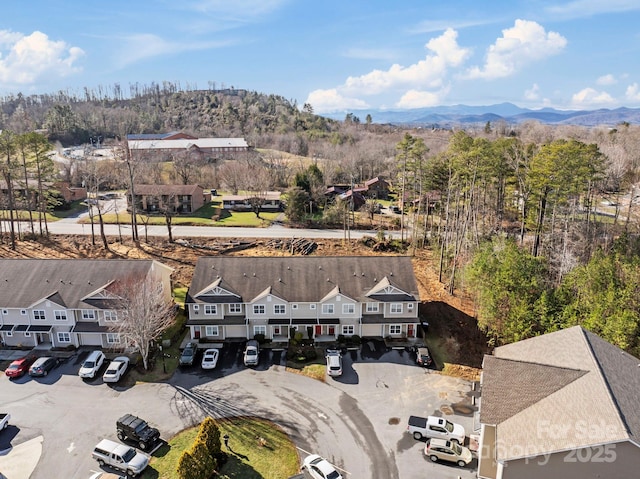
(4, 420)
(435, 427)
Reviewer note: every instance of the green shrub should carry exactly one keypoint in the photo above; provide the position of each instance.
(260, 338)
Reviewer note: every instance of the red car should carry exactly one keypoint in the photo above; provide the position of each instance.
(19, 367)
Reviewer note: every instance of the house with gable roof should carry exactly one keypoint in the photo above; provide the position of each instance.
(67, 302)
(239, 297)
(564, 404)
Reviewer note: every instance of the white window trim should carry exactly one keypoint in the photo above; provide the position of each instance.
(396, 306)
(44, 315)
(260, 329)
(215, 330)
(326, 307)
(349, 327)
(410, 307)
(5, 312)
(283, 306)
(260, 306)
(235, 308)
(9, 334)
(88, 314)
(113, 338)
(399, 326)
(213, 309)
(23, 312)
(348, 308)
(312, 306)
(60, 312)
(65, 335)
(110, 315)
(373, 307)
(294, 306)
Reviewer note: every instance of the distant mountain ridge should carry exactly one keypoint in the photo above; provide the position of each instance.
(508, 112)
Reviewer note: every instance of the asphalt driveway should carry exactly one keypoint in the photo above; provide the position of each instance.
(357, 421)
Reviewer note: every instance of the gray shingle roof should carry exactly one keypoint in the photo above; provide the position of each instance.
(304, 278)
(24, 282)
(560, 391)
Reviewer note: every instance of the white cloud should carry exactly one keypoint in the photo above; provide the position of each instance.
(24, 59)
(429, 72)
(633, 93)
(532, 93)
(589, 97)
(413, 84)
(421, 99)
(524, 43)
(324, 101)
(141, 46)
(607, 80)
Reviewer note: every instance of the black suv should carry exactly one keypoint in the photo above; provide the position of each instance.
(188, 355)
(137, 430)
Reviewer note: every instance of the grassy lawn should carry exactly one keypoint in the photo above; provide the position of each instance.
(276, 459)
(247, 219)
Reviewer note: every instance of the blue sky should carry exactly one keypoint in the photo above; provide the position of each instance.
(336, 55)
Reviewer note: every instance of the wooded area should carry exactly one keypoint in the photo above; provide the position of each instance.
(540, 222)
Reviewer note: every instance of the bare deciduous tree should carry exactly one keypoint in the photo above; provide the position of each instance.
(144, 312)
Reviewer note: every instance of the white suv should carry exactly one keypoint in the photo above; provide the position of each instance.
(121, 457)
(92, 365)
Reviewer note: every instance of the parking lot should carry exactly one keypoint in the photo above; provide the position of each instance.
(357, 421)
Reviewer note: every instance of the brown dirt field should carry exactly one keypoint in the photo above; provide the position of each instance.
(453, 327)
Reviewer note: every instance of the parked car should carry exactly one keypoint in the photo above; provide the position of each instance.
(4, 420)
(435, 427)
(443, 450)
(121, 457)
(188, 355)
(251, 353)
(334, 363)
(210, 358)
(42, 366)
(320, 468)
(423, 356)
(19, 367)
(132, 428)
(116, 369)
(92, 365)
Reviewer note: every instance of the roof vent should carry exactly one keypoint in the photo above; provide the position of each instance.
(363, 273)
(279, 280)
(254, 275)
(354, 273)
(375, 280)
(320, 267)
(244, 274)
(288, 267)
(391, 274)
(328, 280)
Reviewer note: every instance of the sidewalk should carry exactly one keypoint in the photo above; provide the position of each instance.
(20, 461)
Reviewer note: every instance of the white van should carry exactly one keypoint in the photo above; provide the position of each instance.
(121, 457)
(334, 363)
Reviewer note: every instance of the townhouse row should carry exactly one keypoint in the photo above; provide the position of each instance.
(74, 302)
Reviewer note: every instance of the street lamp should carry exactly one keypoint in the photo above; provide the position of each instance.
(164, 364)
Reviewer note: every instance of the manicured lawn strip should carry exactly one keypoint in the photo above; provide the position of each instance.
(247, 219)
(277, 459)
(314, 371)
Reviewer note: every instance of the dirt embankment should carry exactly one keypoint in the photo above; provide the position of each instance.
(451, 318)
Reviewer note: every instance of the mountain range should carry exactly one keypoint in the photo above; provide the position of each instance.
(446, 116)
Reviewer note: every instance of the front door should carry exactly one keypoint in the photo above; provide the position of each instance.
(318, 329)
(332, 330)
(410, 331)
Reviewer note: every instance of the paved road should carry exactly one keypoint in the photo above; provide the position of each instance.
(357, 421)
(276, 231)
